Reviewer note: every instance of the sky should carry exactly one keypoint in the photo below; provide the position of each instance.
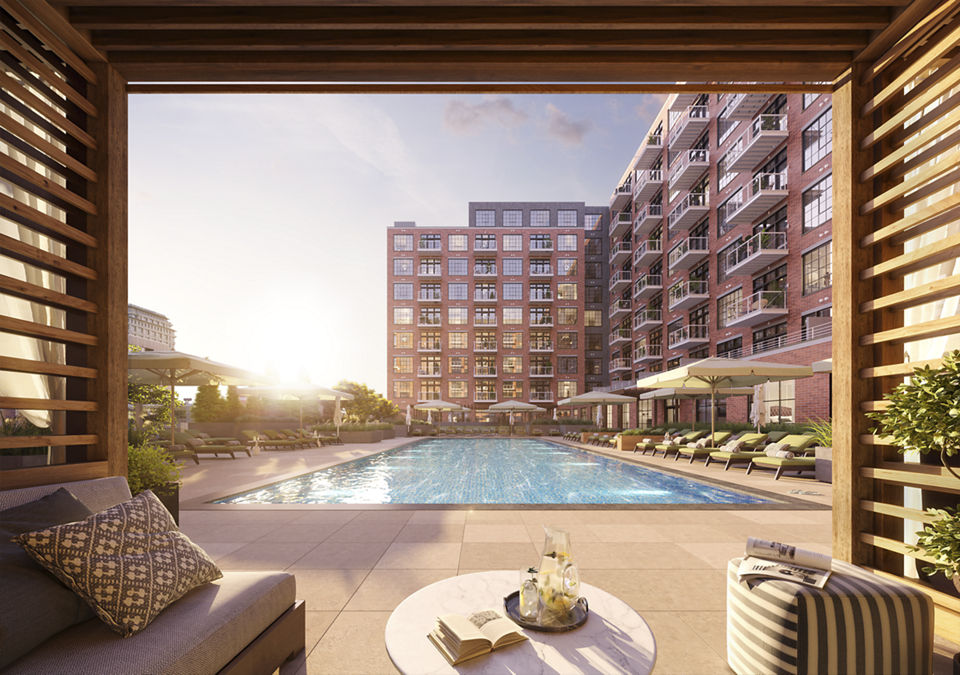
(258, 222)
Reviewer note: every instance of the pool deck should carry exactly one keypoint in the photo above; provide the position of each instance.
(355, 564)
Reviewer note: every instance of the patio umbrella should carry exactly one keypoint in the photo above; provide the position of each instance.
(555, 414)
(599, 416)
(440, 406)
(515, 406)
(409, 419)
(756, 410)
(337, 417)
(717, 373)
(598, 398)
(692, 393)
(174, 369)
(430, 416)
(305, 392)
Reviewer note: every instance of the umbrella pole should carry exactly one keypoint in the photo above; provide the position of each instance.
(713, 411)
(173, 412)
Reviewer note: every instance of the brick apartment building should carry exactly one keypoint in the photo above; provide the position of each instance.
(513, 306)
(720, 245)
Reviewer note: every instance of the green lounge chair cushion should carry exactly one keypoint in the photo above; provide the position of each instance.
(785, 461)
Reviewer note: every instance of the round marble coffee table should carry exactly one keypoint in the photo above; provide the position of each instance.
(615, 639)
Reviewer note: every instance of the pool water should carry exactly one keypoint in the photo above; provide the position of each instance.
(489, 471)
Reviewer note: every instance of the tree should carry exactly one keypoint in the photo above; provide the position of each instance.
(367, 404)
(232, 407)
(154, 395)
(209, 405)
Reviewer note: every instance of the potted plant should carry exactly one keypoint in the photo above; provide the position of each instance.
(822, 431)
(150, 467)
(940, 540)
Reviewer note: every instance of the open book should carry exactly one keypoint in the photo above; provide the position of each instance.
(460, 638)
(773, 560)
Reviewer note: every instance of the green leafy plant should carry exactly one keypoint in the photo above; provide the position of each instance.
(150, 467)
(822, 431)
(924, 414)
(940, 540)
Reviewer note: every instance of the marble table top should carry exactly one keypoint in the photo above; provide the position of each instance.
(615, 638)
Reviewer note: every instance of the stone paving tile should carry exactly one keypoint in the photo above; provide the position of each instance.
(365, 530)
(327, 590)
(384, 589)
(502, 556)
(627, 532)
(431, 532)
(635, 556)
(342, 555)
(353, 644)
(680, 649)
(663, 590)
(510, 516)
(307, 533)
(217, 549)
(711, 627)
(420, 555)
(495, 533)
(317, 624)
(438, 516)
(715, 554)
(264, 556)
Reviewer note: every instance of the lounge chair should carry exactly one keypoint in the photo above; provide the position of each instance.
(689, 437)
(751, 441)
(216, 449)
(264, 440)
(798, 443)
(777, 436)
(714, 442)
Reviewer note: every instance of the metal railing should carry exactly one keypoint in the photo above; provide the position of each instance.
(484, 345)
(652, 210)
(645, 176)
(429, 346)
(754, 303)
(644, 351)
(618, 306)
(693, 199)
(484, 320)
(428, 321)
(541, 346)
(433, 271)
(647, 246)
(428, 296)
(620, 334)
(430, 372)
(646, 316)
(484, 396)
(541, 271)
(648, 280)
(541, 396)
(689, 332)
(818, 332)
(541, 320)
(482, 295)
(484, 371)
(621, 247)
(685, 288)
(688, 245)
(544, 371)
(691, 113)
(541, 296)
(485, 270)
(620, 364)
(765, 122)
(428, 245)
(761, 241)
(699, 155)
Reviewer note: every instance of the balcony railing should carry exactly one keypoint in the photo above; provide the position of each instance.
(541, 271)
(619, 307)
(429, 396)
(620, 364)
(484, 345)
(541, 296)
(689, 210)
(648, 217)
(687, 293)
(430, 296)
(428, 246)
(649, 181)
(541, 371)
(484, 296)
(688, 126)
(485, 371)
(645, 352)
(647, 318)
(766, 132)
(650, 151)
(484, 270)
(744, 106)
(757, 308)
(541, 320)
(764, 192)
(620, 279)
(484, 320)
(690, 334)
(484, 396)
(485, 245)
(620, 335)
(619, 223)
(756, 253)
(688, 252)
(648, 284)
(648, 251)
(791, 339)
(541, 396)
(621, 195)
(428, 271)
(430, 372)
(620, 252)
(427, 321)
(686, 170)
(541, 346)
(429, 347)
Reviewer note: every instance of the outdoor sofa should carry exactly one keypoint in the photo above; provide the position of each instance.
(243, 623)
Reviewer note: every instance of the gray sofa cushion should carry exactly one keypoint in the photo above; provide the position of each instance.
(34, 604)
(96, 494)
(200, 633)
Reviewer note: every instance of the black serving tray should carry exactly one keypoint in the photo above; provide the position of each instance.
(576, 618)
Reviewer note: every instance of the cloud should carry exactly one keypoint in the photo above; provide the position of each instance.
(565, 129)
(463, 117)
(648, 108)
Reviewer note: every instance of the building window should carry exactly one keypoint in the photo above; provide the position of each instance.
(512, 340)
(486, 218)
(731, 204)
(593, 367)
(567, 242)
(771, 337)
(540, 316)
(731, 348)
(512, 242)
(430, 365)
(457, 389)
(430, 292)
(402, 266)
(403, 315)
(818, 139)
(704, 412)
(592, 247)
(539, 218)
(429, 267)
(592, 270)
(593, 342)
(566, 340)
(592, 221)
(567, 316)
(592, 318)
(403, 389)
(818, 204)
(456, 316)
(457, 340)
(566, 388)
(722, 258)
(566, 218)
(403, 340)
(566, 291)
(403, 291)
(513, 291)
(724, 176)
(593, 295)
(808, 99)
(403, 242)
(817, 269)
(457, 291)
(429, 391)
(774, 280)
(484, 291)
(779, 401)
(512, 315)
(728, 307)
(485, 242)
(456, 242)
(512, 267)
(567, 365)
(457, 267)
(567, 267)
(541, 242)
(485, 316)
(485, 267)
(485, 391)
(540, 267)
(513, 365)
(512, 390)
(513, 218)
(429, 242)
(816, 325)
(402, 365)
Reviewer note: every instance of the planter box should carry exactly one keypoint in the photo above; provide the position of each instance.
(170, 497)
(824, 468)
(387, 433)
(361, 436)
(629, 442)
(399, 430)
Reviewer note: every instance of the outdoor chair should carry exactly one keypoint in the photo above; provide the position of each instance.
(742, 456)
(797, 444)
(267, 441)
(280, 440)
(689, 437)
(714, 442)
(216, 449)
(177, 451)
(777, 436)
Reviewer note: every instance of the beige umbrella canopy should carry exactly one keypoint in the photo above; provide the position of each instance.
(716, 373)
(692, 393)
(172, 369)
(440, 407)
(515, 406)
(597, 398)
(304, 392)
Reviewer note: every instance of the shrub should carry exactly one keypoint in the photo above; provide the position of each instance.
(822, 431)
(150, 467)
(940, 540)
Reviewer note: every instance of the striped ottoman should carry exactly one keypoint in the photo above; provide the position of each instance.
(858, 623)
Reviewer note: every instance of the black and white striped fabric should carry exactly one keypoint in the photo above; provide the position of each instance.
(858, 623)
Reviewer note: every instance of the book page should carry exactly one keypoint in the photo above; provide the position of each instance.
(772, 550)
(462, 628)
(497, 628)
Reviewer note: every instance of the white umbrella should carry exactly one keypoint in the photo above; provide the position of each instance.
(555, 414)
(337, 417)
(756, 410)
(304, 392)
(599, 416)
(511, 418)
(430, 416)
(409, 419)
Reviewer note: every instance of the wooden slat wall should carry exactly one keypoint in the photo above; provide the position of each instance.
(67, 116)
(896, 178)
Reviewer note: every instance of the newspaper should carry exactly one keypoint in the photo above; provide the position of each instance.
(772, 560)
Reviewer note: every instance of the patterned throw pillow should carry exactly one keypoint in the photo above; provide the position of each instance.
(128, 562)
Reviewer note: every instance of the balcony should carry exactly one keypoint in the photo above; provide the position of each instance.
(428, 322)
(621, 195)
(541, 296)
(744, 106)
(429, 396)
(429, 271)
(689, 211)
(429, 372)
(619, 224)
(688, 127)
(648, 285)
(620, 252)
(541, 271)
(619, 309)
(429, 347)
(689, 336)
(620, 336)
(430, 296)
(646, 319)
(649, 251)
(688, 293)
(542, 346)
(485, 246)
(485, 371)
(484, 321)
(648, 183)
(689, 168)
(765, 191)
(539, 246)
(619, 281)
(682, 101)
(484, 271)
(757, 252)
(650, 152)
(647, 353)
(647, 219)
(484, 345)
(541, 371)
(620, 364)
(757, 308)
(765, 133)
(484, 397)
(428, 246)
(544, 321)
(541, 397)
(484, 296)
(688, 253)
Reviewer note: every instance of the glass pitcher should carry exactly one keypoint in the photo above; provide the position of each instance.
(558, 579)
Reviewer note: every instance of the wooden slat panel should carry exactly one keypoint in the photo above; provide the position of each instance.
(44, 295)
(42, 106)
(8, 442)
(44, 475)
(896, 511)
(21, 11)
(923, 220)
(895, 160)
(45, 259)
(900, 368)
(868, 406)
(913, 24)
(893, 545)
(46, 185)
(928, 329)
(947, 163)
(31, 215)
(20, 403)
(46, 147)
(45, 367)
(49, 76)
(932, 477)
(39, 330)
(918, 295)
(920, 258)
(896, 122)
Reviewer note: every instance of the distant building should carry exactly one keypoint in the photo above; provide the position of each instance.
(148, 329)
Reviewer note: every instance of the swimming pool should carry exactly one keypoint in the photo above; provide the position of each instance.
(489, 471)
